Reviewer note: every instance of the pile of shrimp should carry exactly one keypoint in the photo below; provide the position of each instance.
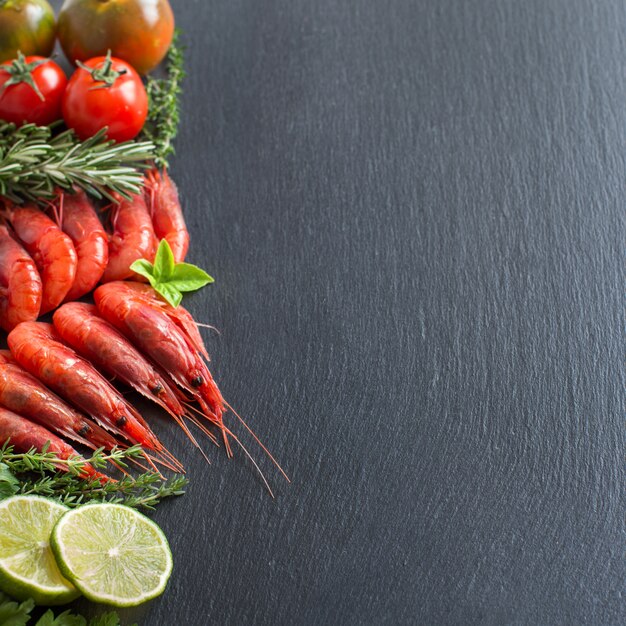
(54, 379)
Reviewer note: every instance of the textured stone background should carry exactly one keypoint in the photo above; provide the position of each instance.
(414, 211)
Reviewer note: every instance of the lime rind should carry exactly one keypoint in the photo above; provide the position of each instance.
(28, 568)
(112, 553)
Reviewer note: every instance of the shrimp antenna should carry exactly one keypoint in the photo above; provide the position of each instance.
(172, 462)
(191, 438)
(269, 454)
(201, 426)
(258, 469)
(213, 328)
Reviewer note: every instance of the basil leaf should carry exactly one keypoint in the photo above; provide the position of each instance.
(171, 294)
(143, 268)
(188, 277)
(164, 262)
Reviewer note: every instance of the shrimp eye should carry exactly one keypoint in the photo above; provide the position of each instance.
(121, 422)
(157, 389)
(84, 429)
(197, 381)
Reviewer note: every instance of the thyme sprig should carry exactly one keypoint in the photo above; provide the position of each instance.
(164, 104)
(33, 163)
(37, 473)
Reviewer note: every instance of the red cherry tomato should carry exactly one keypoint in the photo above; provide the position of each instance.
(31, 90)
(105, 91)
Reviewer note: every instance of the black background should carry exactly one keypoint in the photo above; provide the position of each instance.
(414, 211)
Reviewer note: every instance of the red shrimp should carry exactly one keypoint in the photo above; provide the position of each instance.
(178, 314)
(79, 325)
(152, 330)
(167, 213)
(80, 222)
(24, 435)
(51, 249)
(20, 283)
(23, 393)
(132, 239)
(36, 347)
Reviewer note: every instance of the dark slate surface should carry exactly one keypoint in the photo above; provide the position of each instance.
(415, 214)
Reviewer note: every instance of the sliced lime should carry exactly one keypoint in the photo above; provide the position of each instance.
(27, 566)
(112, 553)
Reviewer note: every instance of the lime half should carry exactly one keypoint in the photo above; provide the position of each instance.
(27, 566)
(112, 553)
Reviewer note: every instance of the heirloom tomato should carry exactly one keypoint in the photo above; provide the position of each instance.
(138, 31)
(26, 26)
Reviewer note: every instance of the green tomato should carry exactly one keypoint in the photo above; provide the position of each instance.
(27, 26)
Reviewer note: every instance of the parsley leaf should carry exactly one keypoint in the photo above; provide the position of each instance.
(9, 484)
(14, 614)
(106, 619)
(168, 278)
(64, 619)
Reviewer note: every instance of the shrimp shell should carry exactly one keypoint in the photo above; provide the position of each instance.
(51, 249)
(156, 335)
(20, 283)
(151, 329)
(25, 435)
(35, 346)
(23, 393)
(132, 239)
(167, 213)
(79, 326)
(80, 222)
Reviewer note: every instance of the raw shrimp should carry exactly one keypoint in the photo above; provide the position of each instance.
(133, 238)
(79, 325)
(51, 249)
(20, 283)
(80, 222)
(167, 214)
(25, 435)
(35, 346)
(23, 393)
(152, 331)
(178, 314)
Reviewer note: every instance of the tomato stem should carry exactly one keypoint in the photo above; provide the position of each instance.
(104, 74)
(22, 72)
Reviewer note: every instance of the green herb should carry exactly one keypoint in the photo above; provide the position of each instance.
(33, 163)
(164, 104)
(14, 614)
(37, 473)
(168, 278)
(63, 619)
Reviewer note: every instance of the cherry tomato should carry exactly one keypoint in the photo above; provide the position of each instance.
(105, 91)
(27, 26)
(31, 90)
(138, 31)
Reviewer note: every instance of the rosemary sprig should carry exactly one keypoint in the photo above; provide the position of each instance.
(164, 104)
(33, 163)
(37, 473)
